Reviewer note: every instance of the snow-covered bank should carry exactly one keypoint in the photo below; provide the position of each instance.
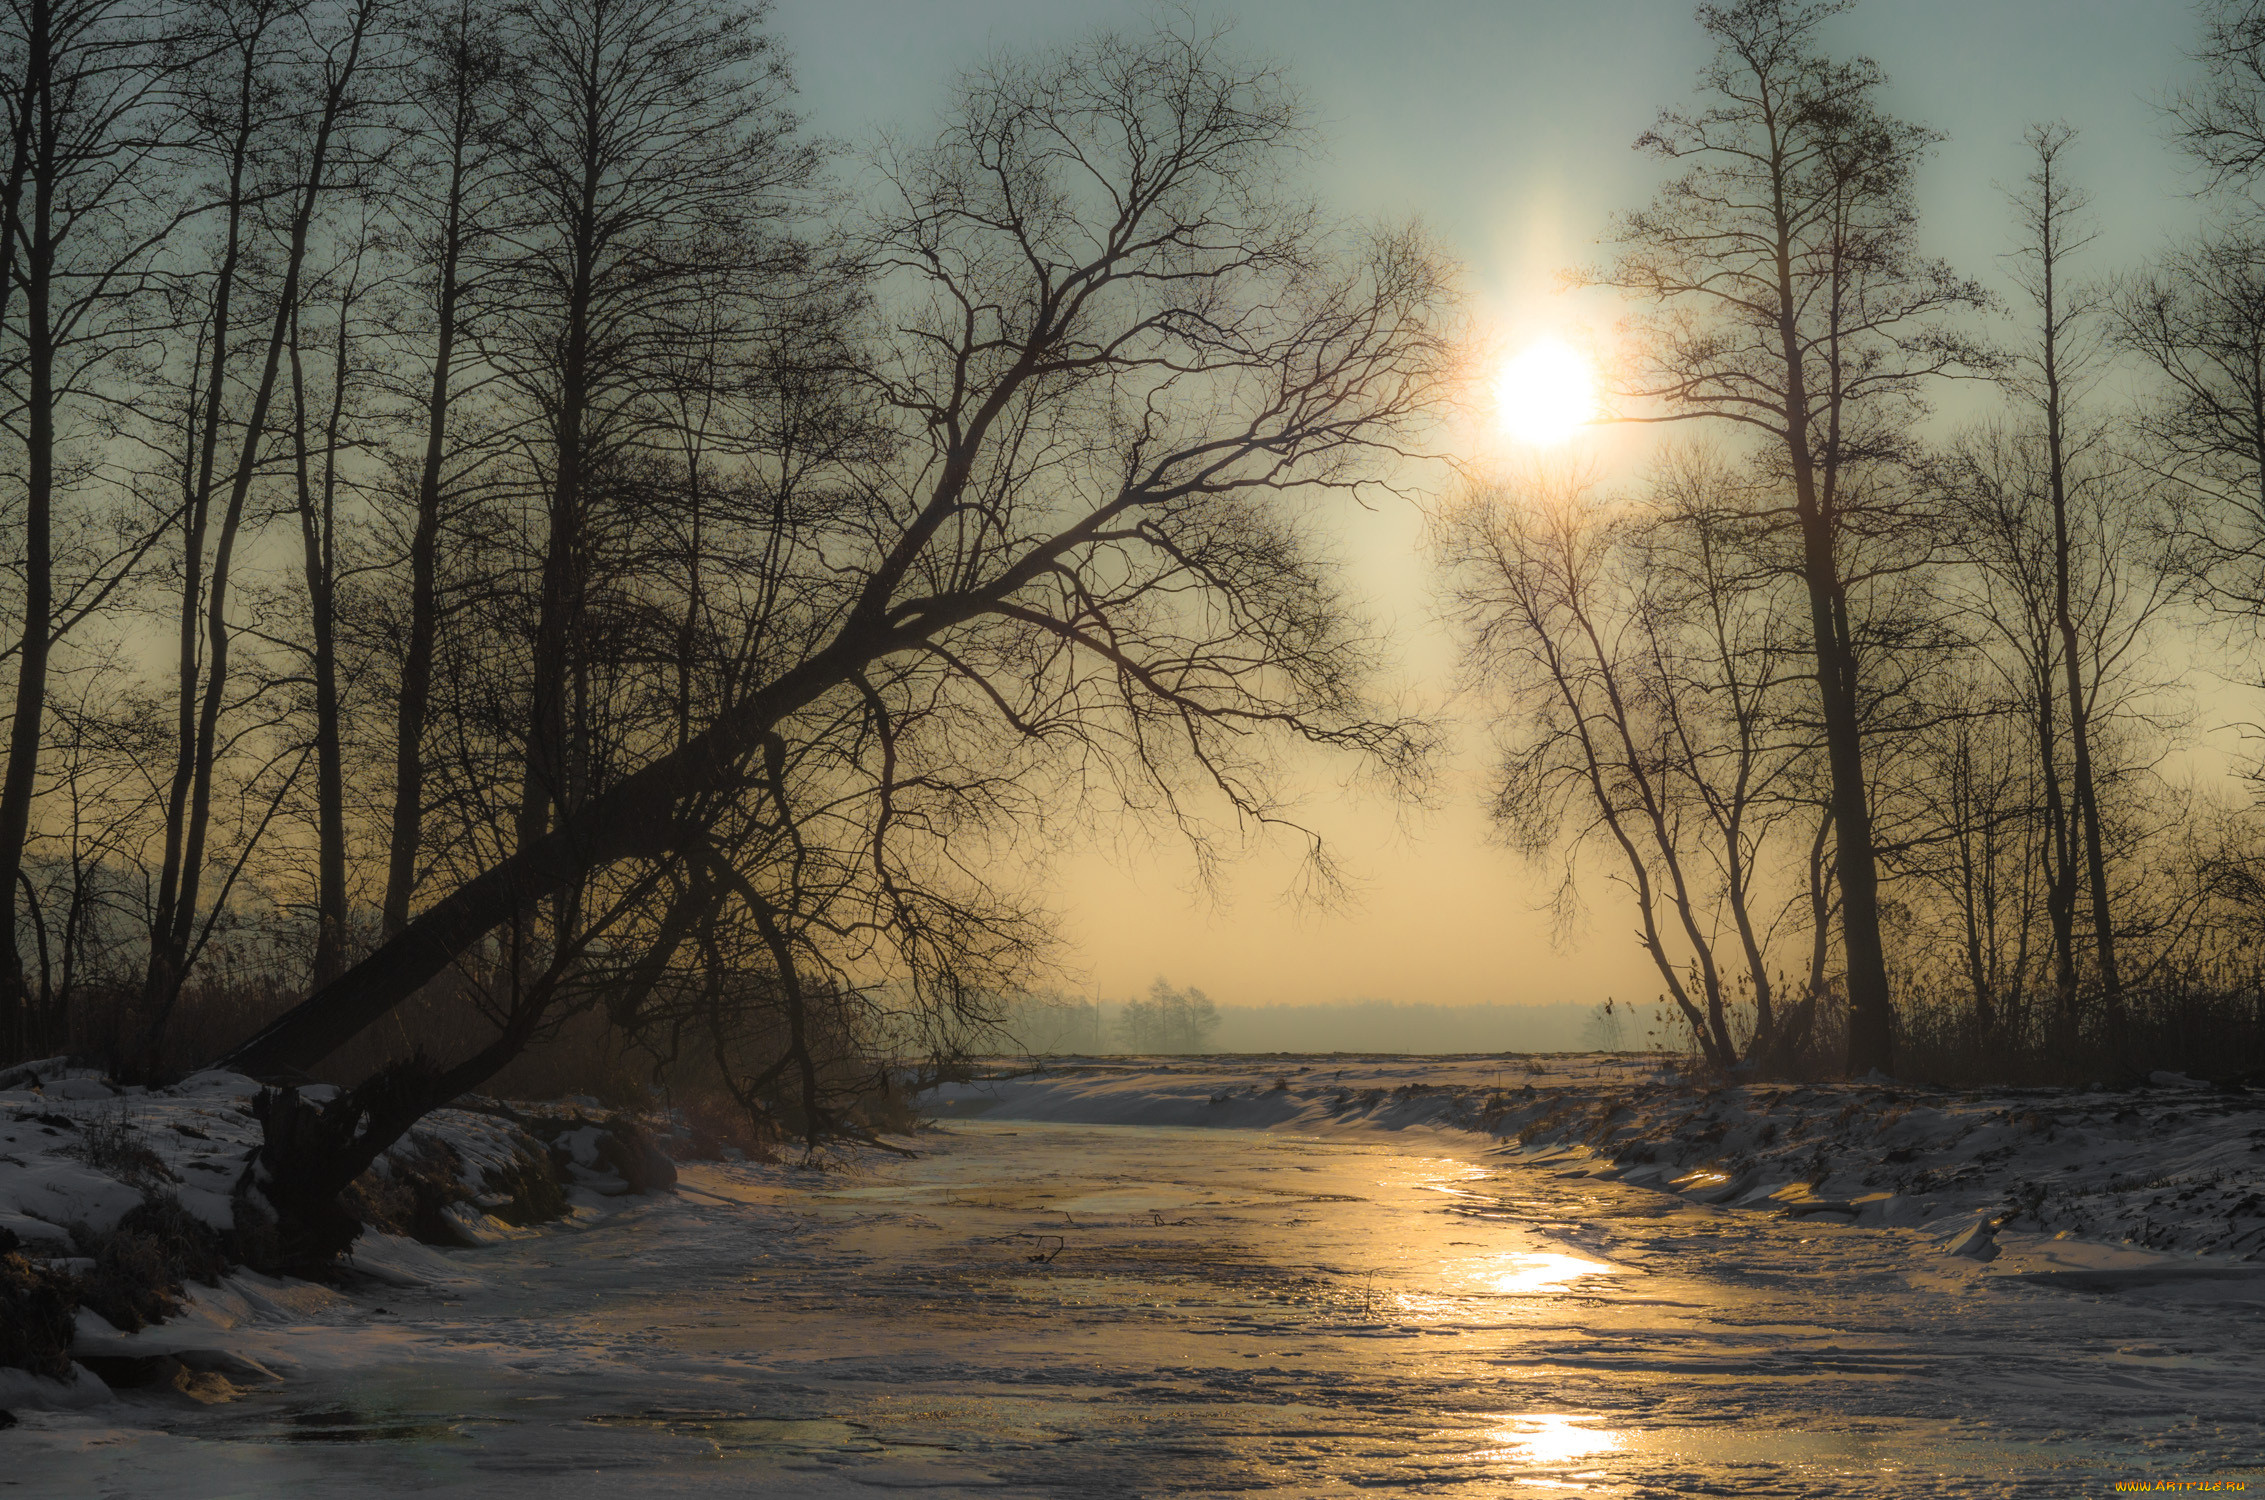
(2178, 1166)
(1330, 1310)
(127, 1216)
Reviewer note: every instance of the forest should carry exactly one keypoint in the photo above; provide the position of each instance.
(1882, 695)
(528, 570)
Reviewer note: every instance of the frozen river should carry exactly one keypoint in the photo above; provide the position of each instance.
(1097, 1310)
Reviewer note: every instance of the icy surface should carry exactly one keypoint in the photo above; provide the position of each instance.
(1302, 1305)
(2177, 1166)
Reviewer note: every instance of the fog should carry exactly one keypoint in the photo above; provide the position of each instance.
(1344, 1026)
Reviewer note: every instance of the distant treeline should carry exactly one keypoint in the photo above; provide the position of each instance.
(1107, 1026)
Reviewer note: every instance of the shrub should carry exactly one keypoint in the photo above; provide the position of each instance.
(111, 1143)
(141, 1264)
(36, 1307)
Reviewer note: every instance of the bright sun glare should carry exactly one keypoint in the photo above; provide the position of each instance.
(1550, 1440)
(1545, 394)
(1541, 1273)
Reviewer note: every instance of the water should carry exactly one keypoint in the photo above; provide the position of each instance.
(1063, 1310)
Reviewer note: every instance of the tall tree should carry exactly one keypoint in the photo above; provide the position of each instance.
(448, 123)
(1116, 364)
(2001, 488)
(2198, 319)
(2049, 213)
(648, 160)
(318, 449)
(1790, 298)
(85, 207)
(328, 57)
(1638, 660)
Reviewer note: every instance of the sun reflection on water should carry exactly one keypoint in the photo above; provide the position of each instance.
(1547, 1439)
(1535, 1271)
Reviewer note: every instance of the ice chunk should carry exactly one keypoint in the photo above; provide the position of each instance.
(1980, 1242)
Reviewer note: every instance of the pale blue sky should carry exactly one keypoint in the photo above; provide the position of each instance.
(1507, 126)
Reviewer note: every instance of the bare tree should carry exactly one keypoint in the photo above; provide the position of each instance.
(1789, 298)
(2001, 484)
(2222, 123)
(85, 207)
(321, 453)
(441, 173)
(647, 156)
(2050, 217)
(1115, 365)
(1728, 649)
(330, 65)
(1169, 1020)
(1640, 672)
(2199, 321)
(2085, 578)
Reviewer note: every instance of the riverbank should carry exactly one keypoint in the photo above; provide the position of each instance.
(1060, 1310)
(2177, 1166)
(134, 1241)
(121, 1229)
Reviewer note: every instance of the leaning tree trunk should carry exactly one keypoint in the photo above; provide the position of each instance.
(636, 818)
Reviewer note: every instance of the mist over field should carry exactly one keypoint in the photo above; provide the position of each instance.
(1359, 1026)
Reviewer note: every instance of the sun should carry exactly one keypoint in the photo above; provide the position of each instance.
(1545, 394)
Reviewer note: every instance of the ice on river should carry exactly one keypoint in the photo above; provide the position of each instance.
(1050, 1307)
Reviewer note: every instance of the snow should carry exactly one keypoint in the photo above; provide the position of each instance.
(2179, 1167)
(200, 1133)
(1064, 1309)
(62, 1192)
(1172, 1276)
(23, 1392)
(42, 1236)
(77, 1155)
(203, 1136)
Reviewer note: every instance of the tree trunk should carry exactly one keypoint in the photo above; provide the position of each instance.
(199, 461)
(2079, 714)
(22, 1025)
(546, 784)
(424, 547)
(1871, 1021)
(316, 519)
(2060, 871)
(172, 950)
(637, 817)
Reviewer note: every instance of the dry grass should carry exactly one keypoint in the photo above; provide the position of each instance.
(2204, 1030)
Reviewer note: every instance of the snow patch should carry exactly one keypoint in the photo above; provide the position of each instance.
(2176, 1167)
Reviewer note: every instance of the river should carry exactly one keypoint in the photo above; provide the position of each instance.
(1116, 1310)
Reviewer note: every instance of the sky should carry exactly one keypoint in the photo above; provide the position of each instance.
(1506, 127)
